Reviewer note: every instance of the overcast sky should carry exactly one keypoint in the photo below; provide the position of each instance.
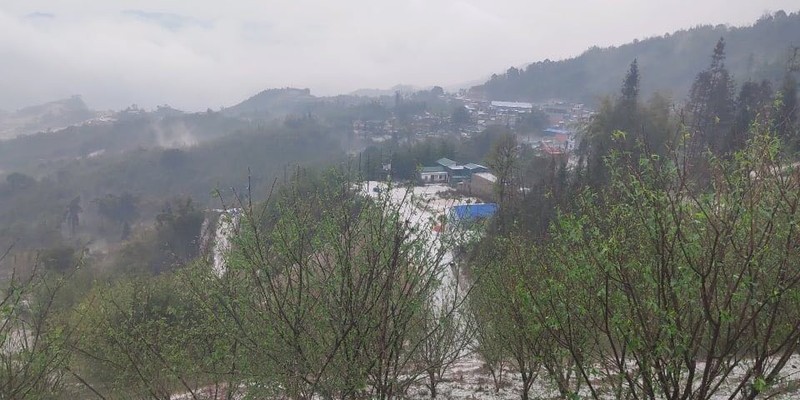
(210, 53)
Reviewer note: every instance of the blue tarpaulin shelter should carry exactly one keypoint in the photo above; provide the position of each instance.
(473, 211)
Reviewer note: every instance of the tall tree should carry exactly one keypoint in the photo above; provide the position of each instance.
(72, 215)
(787, 111)
(122, 210)
(503, 160)
(179, 230)
(597, 143)
(751, 104)
(627, 110)
(630, 86)
(711, 105)
(615, 128)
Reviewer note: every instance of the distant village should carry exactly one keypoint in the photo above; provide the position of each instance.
(557, 137)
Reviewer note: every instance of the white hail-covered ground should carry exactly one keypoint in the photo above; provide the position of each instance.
(468, 378)
(226, 226)
(422, 206)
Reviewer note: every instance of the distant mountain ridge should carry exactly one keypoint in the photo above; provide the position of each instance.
(271, 102)
(667, 63)
(43, 117)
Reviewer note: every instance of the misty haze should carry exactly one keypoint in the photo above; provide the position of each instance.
(454, 199)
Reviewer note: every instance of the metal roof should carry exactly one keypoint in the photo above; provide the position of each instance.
(487, 176)
(556, 131)
(512, 104)
(437, 168)
(446, 162)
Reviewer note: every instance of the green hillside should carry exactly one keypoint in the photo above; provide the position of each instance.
(667, 63)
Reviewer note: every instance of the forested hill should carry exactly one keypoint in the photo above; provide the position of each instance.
(272, 102)
(667, 63)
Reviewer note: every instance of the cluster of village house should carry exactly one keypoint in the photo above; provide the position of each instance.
(472, 179)
(562, 120)
(557, 139)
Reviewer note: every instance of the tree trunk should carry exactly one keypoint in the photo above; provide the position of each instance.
(432, 383)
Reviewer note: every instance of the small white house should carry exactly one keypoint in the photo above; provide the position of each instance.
(437, 174)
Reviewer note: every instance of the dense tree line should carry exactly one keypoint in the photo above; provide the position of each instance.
(651, 288)
(663, 267)
(669, 63)
(327, 293)
(115, 192)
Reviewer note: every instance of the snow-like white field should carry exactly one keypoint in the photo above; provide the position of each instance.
(469, 378)
(422, 206)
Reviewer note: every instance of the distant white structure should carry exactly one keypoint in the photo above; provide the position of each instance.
(513, 105)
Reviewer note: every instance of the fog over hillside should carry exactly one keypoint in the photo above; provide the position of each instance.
(196, 55)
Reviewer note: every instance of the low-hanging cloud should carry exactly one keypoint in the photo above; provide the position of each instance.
(207, 54)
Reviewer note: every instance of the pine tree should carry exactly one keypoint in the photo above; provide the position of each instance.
(627, 108)
(751, 105)
(711, 105)
(630, 86)
(621, 114)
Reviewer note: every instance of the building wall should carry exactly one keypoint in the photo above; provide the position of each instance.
(481, 186)
(434, 177)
